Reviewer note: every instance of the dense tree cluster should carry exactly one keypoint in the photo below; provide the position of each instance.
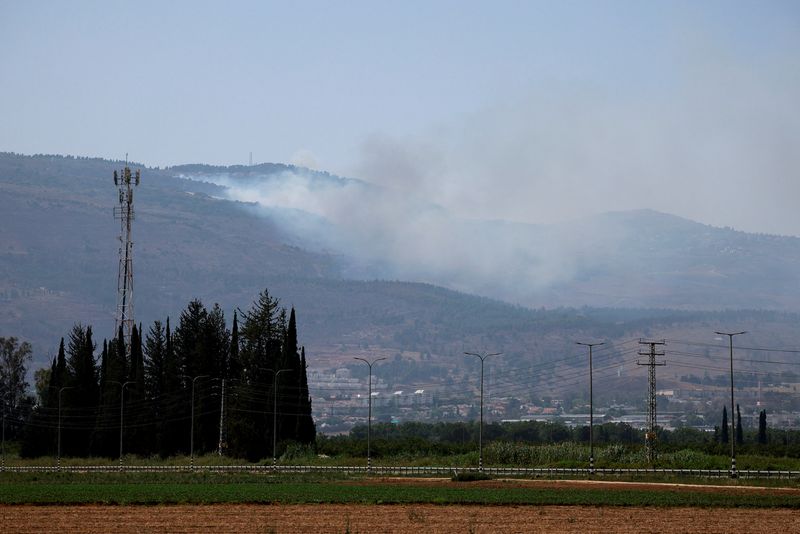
(201, 385)
(15, 403)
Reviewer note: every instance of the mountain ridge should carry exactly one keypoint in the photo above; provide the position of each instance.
(58, 261)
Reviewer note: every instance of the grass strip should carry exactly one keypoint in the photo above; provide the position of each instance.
(306, 493)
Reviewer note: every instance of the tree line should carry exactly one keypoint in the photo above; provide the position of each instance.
(443, 438)
(202, 387)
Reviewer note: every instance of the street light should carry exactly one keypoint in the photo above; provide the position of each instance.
(482, 357)
(58, 456)
(591, 405)
(121, 414)
(733, 419)
(274, 410)
(191, 431)
(369, 412)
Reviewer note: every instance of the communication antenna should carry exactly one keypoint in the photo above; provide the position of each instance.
(125, 181)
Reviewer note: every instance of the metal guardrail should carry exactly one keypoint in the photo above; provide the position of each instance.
(411, 470)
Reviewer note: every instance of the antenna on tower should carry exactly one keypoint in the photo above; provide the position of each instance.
(251, 159)
(125, 181)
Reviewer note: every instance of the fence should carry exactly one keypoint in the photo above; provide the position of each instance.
(415, 470)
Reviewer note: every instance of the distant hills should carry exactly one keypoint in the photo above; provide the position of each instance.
(320, 242)
(641, 259)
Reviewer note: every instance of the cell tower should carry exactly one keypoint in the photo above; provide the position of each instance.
(650, 435)
(125, 181)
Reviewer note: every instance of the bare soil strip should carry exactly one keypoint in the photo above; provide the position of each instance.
(583, 484)
(417, 519)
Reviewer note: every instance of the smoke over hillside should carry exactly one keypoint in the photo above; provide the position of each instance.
(614, 259)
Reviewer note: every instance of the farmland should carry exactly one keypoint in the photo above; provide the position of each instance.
(241, 488)
(191, 502)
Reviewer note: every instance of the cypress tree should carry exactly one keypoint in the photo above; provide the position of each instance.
(739, 430)
(762, 427)
(154, 374)
(289, 405)
(306, 430)
(260, 350)
(724, 430)
(61, 370)
(136, 410)
(39, 438)
(216, 339)
(85, 394)
(234, 368)
(173, 406)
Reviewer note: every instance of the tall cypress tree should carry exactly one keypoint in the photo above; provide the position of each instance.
(762, 427)
(289, 385)
(216, 339)
(260, 350)
(136, 410)
(155, 379)
(85, 394)
(234, 369)
(106, 442)
(174, 440)
(306, 430)
(739, 430)
(39, 438)
(724, 434)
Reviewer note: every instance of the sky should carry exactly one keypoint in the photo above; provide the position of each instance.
(529, 111)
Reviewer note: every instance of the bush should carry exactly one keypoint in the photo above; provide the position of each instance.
(469, 476)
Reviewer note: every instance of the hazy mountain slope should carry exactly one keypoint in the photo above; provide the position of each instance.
(58, 252)
(58, 265)
(630, 259)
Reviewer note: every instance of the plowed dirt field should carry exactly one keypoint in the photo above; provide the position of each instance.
(322, 518)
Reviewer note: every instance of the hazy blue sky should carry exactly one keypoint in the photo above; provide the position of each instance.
(535, 111)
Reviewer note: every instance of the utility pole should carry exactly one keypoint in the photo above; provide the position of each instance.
(482, 358)
(369, 413)
(191, 436)
(650, 435)
(222, 436)
(58, 457)
(732, 435)
(591, 405)
(121, 414)
(275, 415)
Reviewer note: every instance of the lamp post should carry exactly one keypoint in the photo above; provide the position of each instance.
(732, 433)
(369, 409)
(191, 426)
(121, 414)
(58, 456)
(275, 414)
(591, 405)
(482, 358)
(274, 410)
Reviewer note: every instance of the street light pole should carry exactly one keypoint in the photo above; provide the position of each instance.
(591, 405)
(732, 434)
(369, 412)
(58, 456)
(191, 431)
(275, 415)
(482, 358)
(121, 414)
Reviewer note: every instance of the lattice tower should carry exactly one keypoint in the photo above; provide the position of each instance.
(650, 435)
(125, 180)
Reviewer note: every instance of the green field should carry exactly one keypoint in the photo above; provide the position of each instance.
(199, 488)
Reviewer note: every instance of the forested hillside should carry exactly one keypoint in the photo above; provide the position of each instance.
(58, 266)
